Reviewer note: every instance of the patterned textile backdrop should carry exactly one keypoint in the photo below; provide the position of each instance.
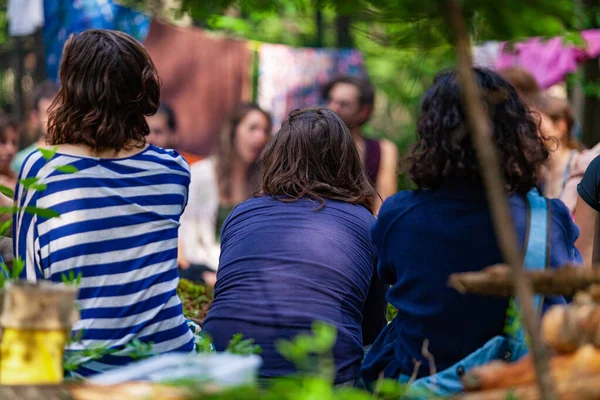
(291, 78)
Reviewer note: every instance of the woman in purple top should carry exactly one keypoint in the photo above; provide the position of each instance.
(301, 251)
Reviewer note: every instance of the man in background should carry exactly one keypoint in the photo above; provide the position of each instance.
(352, 99)
(163, 128)
(43, 96)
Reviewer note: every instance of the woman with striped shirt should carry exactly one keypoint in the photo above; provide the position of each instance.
(120, 210)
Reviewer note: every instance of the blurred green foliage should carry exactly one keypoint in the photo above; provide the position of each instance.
(405, 42)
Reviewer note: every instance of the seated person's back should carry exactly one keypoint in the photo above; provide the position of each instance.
(426, 236)
(289, 261)
(445, 227)
(119, 201)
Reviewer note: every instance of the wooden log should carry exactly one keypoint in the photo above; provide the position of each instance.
(125, 391)
(47, 392)
(579, 388)
(496, 281)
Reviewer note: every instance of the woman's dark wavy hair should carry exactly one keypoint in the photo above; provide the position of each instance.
(108, 85)
(314, 155)
(444, 150)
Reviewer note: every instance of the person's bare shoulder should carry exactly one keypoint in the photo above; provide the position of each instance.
(389, 150)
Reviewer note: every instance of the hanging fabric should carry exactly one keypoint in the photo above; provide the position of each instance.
(204, 76)
(25, 16)
(64, 17)
(291, 78)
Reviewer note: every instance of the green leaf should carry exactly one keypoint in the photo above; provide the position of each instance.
(5, 227)
(8, 192)
(71, 278)
(6, 270)
(42, 212)
(9, 210)
(204, 343)
(324, 336)
(28, 182)
(237, 345)
(575, 39)
(67, 169)
(17, 267)
(48, 154)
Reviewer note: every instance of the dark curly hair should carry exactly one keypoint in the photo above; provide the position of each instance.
(314, 155)
(108, 85)
(444, 150)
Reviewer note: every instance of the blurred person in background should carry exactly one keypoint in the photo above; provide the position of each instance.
(9, 140)
(43, 96)
(523, 82)
(352, 99)
(219, 183)
(568, 160)
(163, 132)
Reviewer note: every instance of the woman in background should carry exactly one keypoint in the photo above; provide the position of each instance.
(568, 160)
(219, 183)
(300, 251)
(9, 142)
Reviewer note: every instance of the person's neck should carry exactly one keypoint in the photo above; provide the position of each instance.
(239, 170)
(239, 183)
(83, 150)
(357, 134)
(560, 156)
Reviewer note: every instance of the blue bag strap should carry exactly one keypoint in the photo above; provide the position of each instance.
(537, 240)
(536, 253)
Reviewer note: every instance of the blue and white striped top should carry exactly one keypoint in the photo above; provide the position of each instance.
(118, 227)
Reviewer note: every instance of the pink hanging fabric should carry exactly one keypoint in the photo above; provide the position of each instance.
(549, 61)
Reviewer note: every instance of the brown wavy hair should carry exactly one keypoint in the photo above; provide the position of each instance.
(108, 85)
(557, 109)
(314, 155)
(444, 150)
(225, 149)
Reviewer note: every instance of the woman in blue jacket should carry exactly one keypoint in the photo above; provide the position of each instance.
(445, 227)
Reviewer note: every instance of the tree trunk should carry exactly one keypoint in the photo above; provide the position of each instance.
(481, 133)
(319, 24)
(39, 74)
(342, 27)
(19, 68)
(591, 76)
(591, 108)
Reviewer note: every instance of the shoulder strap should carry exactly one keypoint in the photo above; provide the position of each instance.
(537, 242)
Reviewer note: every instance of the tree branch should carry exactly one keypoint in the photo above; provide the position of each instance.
(497, 281)
(494, 182)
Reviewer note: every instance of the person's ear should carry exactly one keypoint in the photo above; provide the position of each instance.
(562, 127)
